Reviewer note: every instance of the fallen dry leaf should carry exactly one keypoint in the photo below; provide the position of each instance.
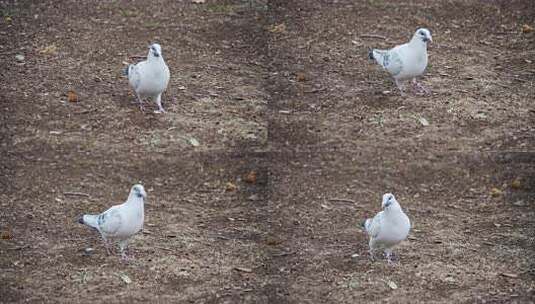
(6, 235)
(301, 77)
(516, 184)
(198, 1)
(527, 29)
(230, 187)
(49, 50)
(495, 192)
(279, 28)
(251, 177)
(71, 96)
(273, 241)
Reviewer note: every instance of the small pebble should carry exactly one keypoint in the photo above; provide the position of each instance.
(89, 251)
(19, 57)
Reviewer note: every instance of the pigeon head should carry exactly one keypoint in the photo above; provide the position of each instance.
(388, 200)
(139, 191)
(424, 35)
(155, 50)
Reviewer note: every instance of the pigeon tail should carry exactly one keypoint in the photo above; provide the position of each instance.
(370, 53)
(89, 220)
(126, 70)
(366, 224)
(380, 56)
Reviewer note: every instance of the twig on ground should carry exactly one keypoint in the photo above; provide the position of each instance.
(164, 248)
(243, 269)
(316, 90)
(372, 36)
(86, 111)
(284, 254)
(344, 200)
(76, 194)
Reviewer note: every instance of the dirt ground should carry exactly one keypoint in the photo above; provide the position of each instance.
(299, 136)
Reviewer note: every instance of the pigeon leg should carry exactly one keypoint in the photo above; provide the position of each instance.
(108, 248)
(388, 255)
(122, 247)
(140, 101)
(400, 87)
(372, 257)
(107, 245)
(419, 87)
(371, 244)
(159, 103)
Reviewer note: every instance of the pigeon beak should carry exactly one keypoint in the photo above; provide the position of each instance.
(156, 54)
(428, 39)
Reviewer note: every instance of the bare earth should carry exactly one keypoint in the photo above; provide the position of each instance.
(290, 117)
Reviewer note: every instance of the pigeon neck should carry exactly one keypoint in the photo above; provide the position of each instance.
(152, 58)
(134, 199)
(418, 42)
(394, 207)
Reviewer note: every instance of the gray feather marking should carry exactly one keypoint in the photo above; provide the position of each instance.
(393, 63)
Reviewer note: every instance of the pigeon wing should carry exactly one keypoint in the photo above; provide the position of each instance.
(167, 75)
(110, 221)
(135, 74)
(392, 62)
(373, 226)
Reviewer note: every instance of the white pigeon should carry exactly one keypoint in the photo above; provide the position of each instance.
(406, 61)
(388, 227)
(120, 222)
(149, 78)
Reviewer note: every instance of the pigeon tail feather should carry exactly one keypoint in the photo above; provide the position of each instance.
(90, 220)
(378, 56)
(366, 224)
(126, 70)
